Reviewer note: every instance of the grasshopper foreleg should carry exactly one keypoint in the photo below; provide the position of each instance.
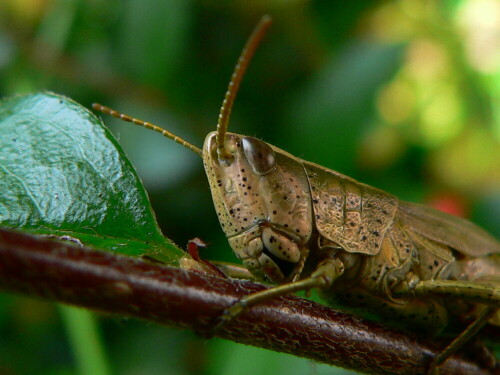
(323, 277)
(235, 271)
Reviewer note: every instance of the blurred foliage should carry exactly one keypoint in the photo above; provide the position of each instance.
(403, 95)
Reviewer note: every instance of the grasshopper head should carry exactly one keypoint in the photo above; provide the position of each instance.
(262, 199)
(260, 193)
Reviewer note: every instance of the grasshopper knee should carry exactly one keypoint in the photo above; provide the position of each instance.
(329, 270)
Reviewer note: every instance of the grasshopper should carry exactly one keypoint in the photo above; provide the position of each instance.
(302, 226)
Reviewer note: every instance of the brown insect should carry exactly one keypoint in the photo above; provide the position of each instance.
(303, 226)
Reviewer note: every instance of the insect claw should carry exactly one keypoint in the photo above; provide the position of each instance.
(484, 355)
(227, 315)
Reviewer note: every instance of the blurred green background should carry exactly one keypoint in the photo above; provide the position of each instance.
(402, 95)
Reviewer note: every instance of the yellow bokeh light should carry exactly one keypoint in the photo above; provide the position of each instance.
(470, 163)
(25, 12)
(426, 60)
(479, 22)
(440, 118)
(396, 101)
(388, 24)
(381, 147)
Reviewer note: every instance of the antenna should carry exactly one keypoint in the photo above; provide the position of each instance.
(165, 133)
(232, 89)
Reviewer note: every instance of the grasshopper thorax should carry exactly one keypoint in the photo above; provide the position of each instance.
(263, 203)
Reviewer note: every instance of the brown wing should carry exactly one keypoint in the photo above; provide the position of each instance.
(355, 216)
(458, 233)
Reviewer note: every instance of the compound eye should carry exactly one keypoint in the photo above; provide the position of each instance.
(259, 154)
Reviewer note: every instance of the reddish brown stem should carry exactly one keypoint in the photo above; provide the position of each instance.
(122, 285)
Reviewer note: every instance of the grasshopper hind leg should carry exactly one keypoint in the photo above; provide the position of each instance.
(463, 338)
(485, 293)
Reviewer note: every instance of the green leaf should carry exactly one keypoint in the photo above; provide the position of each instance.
(63, 174)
